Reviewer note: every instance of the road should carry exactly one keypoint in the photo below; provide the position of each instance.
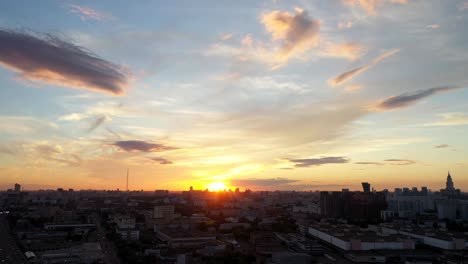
(9, 251)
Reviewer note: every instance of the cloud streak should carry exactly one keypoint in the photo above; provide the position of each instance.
(399, 162)
(97, 122)
(51, 59)
(369, 163)
(350, 51)
(141, 146)
(348, 75)
(370, 6)
(408, 99)
(161, 161)
(261, 182)
(301, 163)
(86, 13)
(451, 119)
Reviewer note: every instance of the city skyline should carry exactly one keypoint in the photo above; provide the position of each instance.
(265, 95)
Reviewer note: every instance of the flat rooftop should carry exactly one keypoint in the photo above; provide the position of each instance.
(347, 232)
(427, 231)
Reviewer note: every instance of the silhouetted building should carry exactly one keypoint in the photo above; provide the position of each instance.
(449, 183)
(17, 187)
(366, 187)
(361, 206)
(450, 188)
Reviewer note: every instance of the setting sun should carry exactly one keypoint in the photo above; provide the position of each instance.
(216, 186)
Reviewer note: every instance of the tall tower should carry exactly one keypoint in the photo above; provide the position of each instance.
(127, 179)
(449, 183)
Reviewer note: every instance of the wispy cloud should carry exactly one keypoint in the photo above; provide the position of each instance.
(318, 161)
(86, 13)
(141, 146)
(441, 146)
(350, 51)
(9, 149)
(97, 122)
(353, 88)
(53, 60)
(20, 125)
(400, 162)
(348, 75)
(407, 99)
(260, 182)
(56, 153)
(451, 119)
(295, 36)
(226, 36)
(161, 161)
(370, 6)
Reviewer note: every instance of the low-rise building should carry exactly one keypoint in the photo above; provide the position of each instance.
(349, 237)
(429, 236)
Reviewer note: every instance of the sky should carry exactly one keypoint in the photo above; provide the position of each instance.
(266, 95)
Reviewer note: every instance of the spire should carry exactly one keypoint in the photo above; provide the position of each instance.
(449, 183)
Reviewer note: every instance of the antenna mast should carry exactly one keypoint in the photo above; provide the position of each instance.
(127, 179)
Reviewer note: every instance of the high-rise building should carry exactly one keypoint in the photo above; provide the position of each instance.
(450, 188)
(449, 183)
(366, 187)
(353, 205)
(17, 187)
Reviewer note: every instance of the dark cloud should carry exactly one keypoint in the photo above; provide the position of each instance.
(369, 163)
(52, 59)
(162, 161)
(407, 99)
(441, 146)
(318, 161)
(141, 146)
(261, 182)
(97, 122)
(348, 75)
(400, 161)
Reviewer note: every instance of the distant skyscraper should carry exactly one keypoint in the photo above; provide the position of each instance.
(366, 187)
(17, 187)
(449, 183)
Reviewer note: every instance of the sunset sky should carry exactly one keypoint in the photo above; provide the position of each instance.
(267, 95)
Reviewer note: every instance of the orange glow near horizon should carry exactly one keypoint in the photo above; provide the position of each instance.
(217, 186)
